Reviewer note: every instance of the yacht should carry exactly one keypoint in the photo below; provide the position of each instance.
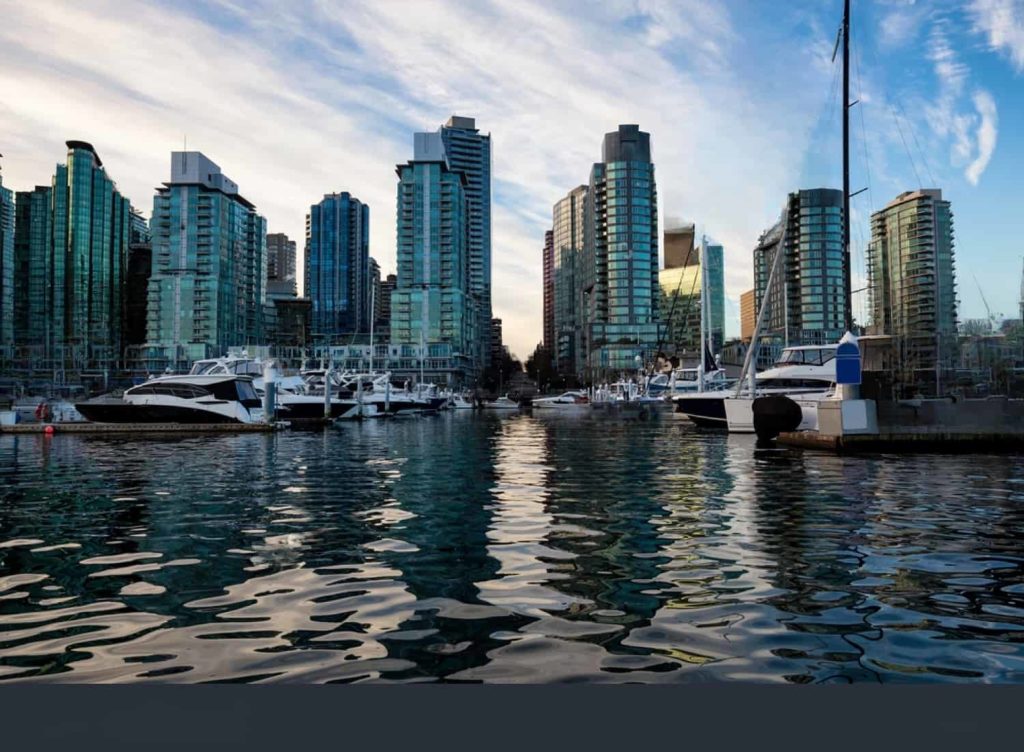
(223, 398)
(687, 381)
(573, 400)
(804, 374)
(502, 403)
(459, 402)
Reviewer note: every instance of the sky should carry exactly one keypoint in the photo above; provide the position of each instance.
(741, 98)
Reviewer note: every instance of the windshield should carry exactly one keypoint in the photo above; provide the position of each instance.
(810, 357)
(202, 366)
(246, 391)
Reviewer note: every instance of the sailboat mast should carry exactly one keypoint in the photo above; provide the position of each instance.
(847, 302)
(702, 260)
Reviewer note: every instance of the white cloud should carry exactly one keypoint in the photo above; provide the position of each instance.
(987, 133)
(1002, 22)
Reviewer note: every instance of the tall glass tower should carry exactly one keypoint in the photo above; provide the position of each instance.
(808, 297)
(469, 151)
(338, 267)
(6, 266)
(207, 288)
(433, 312)
(620, 270)
(912, 278)
(71, 250)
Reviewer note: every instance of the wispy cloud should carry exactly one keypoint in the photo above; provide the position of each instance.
(987, 133)
(299, 99)
(1002, 22)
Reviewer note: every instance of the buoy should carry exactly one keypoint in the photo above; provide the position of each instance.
(48, 430)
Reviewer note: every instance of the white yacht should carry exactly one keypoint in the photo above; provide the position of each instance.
(224, 398)
(502, 403)
(570, 401)
(804, 374)
(687, 381)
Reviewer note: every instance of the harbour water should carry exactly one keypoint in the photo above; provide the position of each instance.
(504, 548)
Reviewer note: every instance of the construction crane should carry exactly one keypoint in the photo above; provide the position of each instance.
(992, 318)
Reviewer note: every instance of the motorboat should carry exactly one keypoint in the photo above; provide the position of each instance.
(572, 400)
(222, 398)
(502, 403)
(687, 381)
(459, 402)
(805, 374)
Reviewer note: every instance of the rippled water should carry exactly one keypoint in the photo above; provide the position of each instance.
(504, 548)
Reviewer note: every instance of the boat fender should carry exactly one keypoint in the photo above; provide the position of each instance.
(775, 414)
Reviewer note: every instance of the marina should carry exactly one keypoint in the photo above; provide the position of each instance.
(487, 547)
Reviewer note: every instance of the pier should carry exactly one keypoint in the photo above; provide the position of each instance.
(149, 428)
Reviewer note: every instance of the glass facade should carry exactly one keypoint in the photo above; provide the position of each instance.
(619, 276)
(281, 253)
(912, 278)
(338, 268)
(7, 273)
(808, 297)
(71, 253)
(206, 292)
(469, 151)
(548, 258)
(431, 304)
(681, 301)
(568, 239)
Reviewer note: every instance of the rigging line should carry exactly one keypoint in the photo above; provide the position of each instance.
(921, 153)
(906, 148)
(863, 128)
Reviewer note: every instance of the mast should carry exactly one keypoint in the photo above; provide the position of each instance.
(847, 303)
(372, 317)
(702, 259)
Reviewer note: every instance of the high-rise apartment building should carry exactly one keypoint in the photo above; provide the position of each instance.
(682, 302)
(497, 341)
(71, 250)
(281, 252)
(808, 297)
(548, 260)
(569, 217)
(387, 287)
(469, 151)
(338, 268)
(433, 313)
(7, 273)
(34, 267)
(912, 278)
(619, 273)
(207, 289)
(748, 316)
(136, 288)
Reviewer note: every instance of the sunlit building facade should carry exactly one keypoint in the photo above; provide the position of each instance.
(912, 277)
(569, 217)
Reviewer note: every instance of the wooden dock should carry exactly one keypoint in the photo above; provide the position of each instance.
(148, 428)
(905, 443)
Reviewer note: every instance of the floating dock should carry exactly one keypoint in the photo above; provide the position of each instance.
(926, 441)
(120, 428)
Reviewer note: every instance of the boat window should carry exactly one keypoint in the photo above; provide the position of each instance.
(202, 366)
(246, 391)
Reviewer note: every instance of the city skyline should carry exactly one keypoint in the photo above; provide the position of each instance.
(730, 143)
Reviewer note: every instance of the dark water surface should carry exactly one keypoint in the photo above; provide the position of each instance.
(509, 548)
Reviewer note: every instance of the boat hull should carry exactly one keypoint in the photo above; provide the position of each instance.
(705, 411)
(127, 412)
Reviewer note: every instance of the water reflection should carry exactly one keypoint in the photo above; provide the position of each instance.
(469, 548)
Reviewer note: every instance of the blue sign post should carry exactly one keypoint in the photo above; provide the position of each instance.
(848, 363)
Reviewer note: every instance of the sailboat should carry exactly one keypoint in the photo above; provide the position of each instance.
(788, 393)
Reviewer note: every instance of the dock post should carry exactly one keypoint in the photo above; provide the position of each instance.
(327, 394)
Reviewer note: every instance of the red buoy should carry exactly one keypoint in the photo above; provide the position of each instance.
(48, 430)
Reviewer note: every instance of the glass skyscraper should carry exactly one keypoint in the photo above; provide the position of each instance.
(433, 313)
(207, 288)
(808, 296)
(338, 268)
(71, 251)
(912, 278)
(7, 273)
(568, 223)
(682, 298)
(620, 267)
(469, 151)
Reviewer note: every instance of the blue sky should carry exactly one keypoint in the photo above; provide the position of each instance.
(300, 99)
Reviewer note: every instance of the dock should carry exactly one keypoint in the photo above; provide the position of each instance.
(149, 428)
(924, 441)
